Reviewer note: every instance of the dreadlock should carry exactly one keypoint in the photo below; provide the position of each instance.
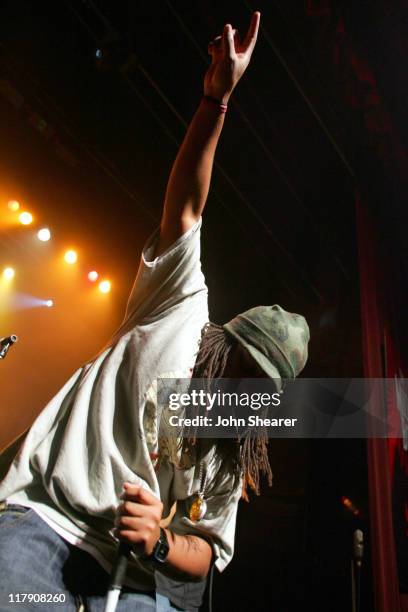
(215, 346)
(250, 454)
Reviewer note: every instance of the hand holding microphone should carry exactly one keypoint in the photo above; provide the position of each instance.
(138, 519)
(137, 525)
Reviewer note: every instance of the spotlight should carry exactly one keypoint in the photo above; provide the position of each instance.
(93, 276)
(9, 273)
(13, 205)
(44, 234)
(104, 286)
(26, 218)
(23, 301)
(70, 257)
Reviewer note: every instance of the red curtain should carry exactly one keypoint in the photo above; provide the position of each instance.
(382, 453)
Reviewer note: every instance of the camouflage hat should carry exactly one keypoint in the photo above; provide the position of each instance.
(276, 339)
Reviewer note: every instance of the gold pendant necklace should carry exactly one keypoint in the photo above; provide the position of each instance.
(199, 506)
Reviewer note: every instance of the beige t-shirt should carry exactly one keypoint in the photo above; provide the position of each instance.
(94, 434)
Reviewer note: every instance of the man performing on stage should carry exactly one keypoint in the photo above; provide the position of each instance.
(95, 468)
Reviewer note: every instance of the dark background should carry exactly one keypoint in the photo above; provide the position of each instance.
(88, 140)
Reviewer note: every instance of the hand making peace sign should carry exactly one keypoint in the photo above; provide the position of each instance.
(230, 58)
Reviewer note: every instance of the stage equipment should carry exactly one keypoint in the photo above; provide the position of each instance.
(5, 344)
(25, 218)
(44, 234)
(104, 286)
(159, 555)
(117, 576)
(70, 257)
(93, 276)
(9, 273)
(358, 551)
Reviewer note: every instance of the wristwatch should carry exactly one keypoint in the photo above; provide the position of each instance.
(160, 549)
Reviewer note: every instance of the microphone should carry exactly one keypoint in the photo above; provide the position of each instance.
(5, 344)
(117, 576)
(358, 546)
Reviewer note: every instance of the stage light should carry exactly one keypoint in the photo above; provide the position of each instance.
(104, 286)
(25, 218)
(349, 505)
(9, 273)
(93, 276)
(44, 234)
(13, 205)
(24, 301)
(70, 257)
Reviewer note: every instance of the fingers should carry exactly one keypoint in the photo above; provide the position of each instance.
(138, 517)
(139, 494)
(250, 38)
(213, 44)
(216, 40)
(216, 44)
(136, 530)
(135, 538)
(228, 41)
(130, 508)
(132, 523)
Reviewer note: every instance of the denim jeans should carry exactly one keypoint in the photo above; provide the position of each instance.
(54, 575)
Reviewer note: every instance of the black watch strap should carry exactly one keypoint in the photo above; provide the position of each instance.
(160, 549)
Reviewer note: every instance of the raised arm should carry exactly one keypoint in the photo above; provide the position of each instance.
(190, 177)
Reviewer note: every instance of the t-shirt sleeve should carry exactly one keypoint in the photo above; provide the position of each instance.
(166, 280)
(219, 521)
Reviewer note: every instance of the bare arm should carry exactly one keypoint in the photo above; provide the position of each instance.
(190, 177)
(138, 523)
(189, 555)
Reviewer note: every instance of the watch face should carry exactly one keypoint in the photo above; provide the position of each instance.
(161, 551)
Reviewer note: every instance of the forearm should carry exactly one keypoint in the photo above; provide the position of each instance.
(190, 177)
(189, 556)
